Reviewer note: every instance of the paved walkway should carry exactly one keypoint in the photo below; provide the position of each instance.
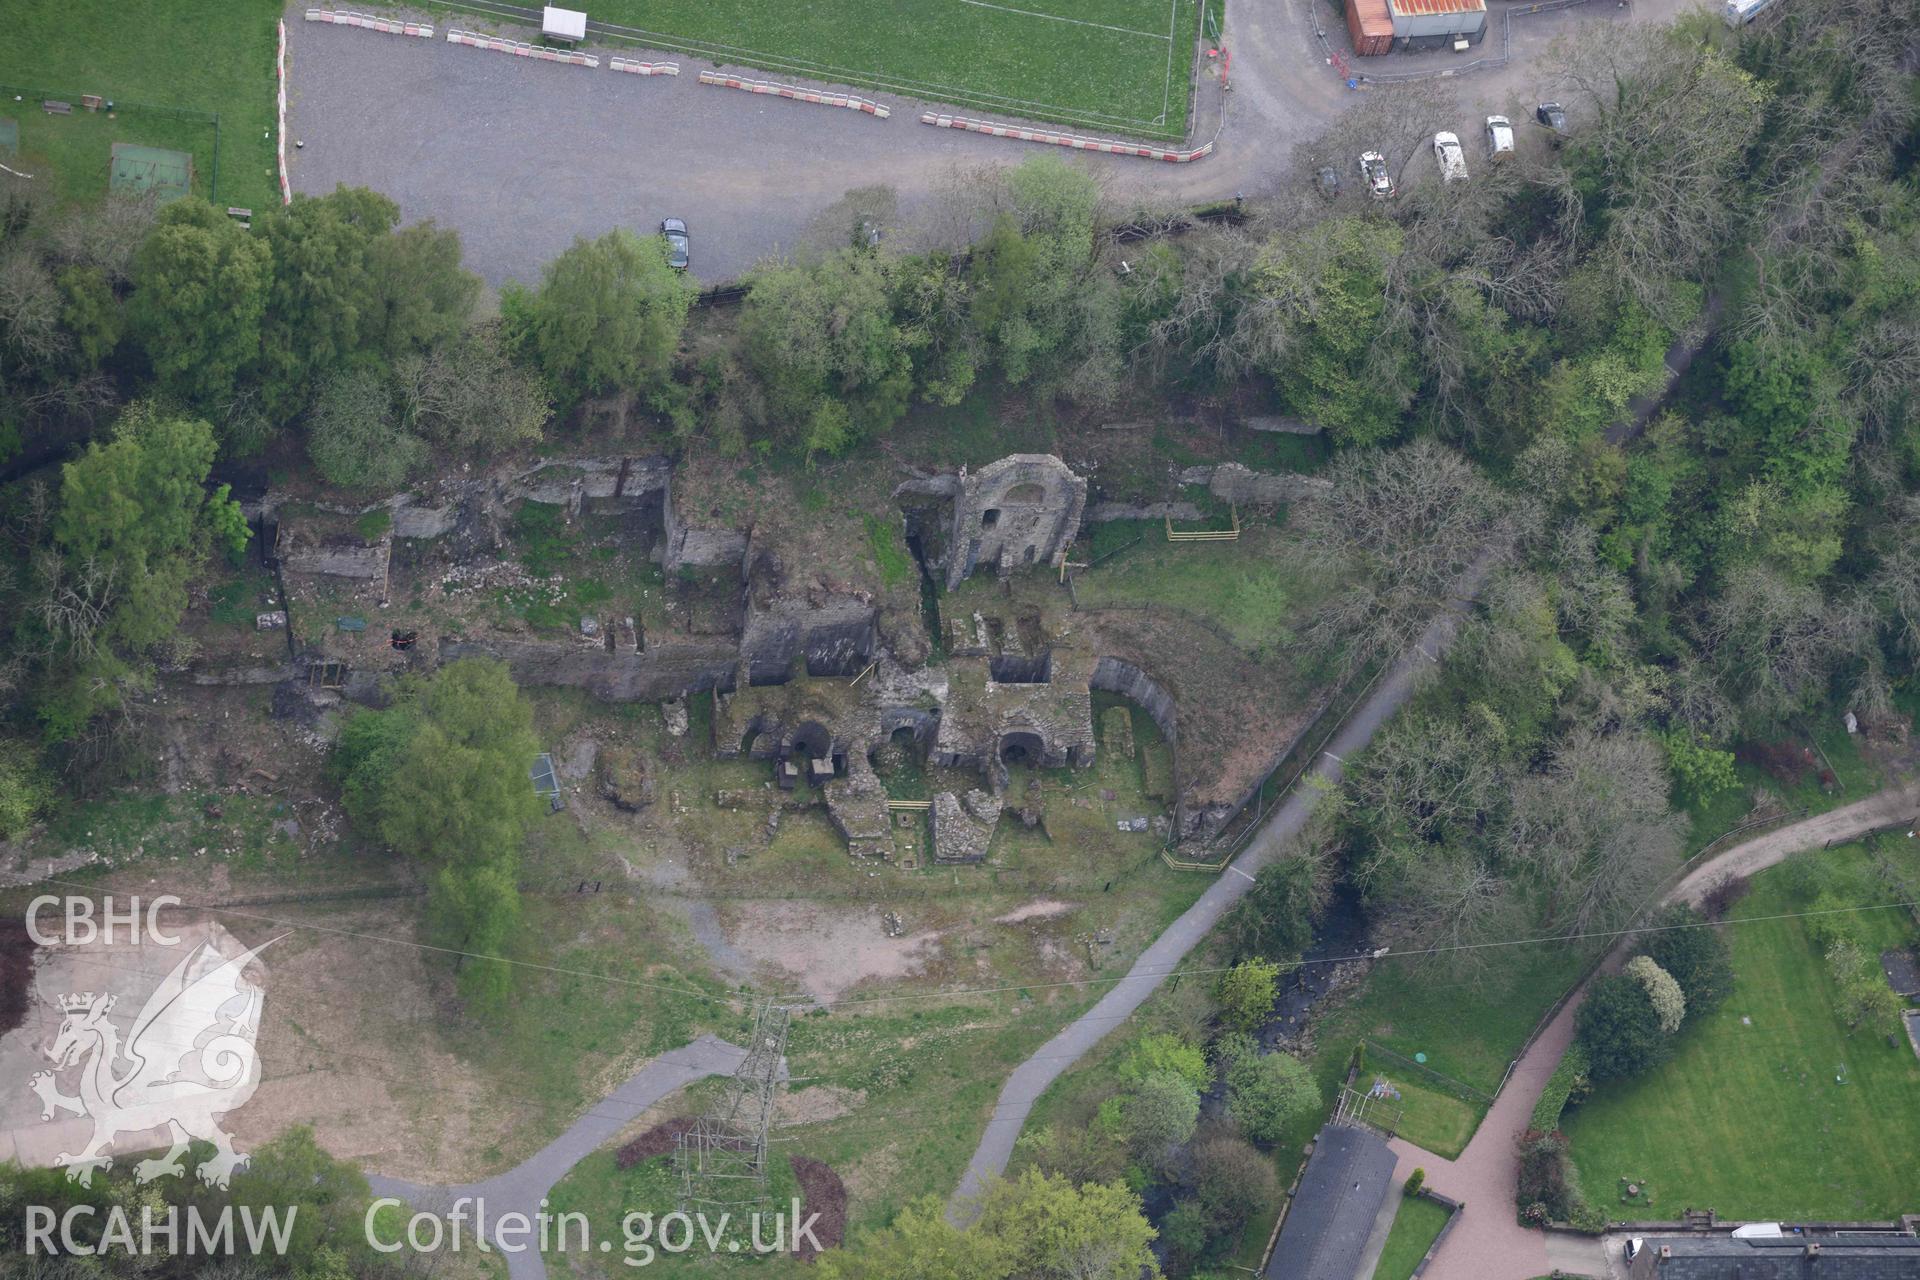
(1031, 1078)
(1489, 1243)
(522, 1188)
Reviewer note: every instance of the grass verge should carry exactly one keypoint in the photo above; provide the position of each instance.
(1416, 1224)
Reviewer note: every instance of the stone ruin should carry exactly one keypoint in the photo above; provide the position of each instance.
(1024, 509)
(781, 667)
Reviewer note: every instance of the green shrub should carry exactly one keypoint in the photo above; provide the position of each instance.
(1164, 1052)
(1695, 954)
(1415, 1184)
(1568, 1081)
(1619, 1028)
(1267, 1094)
(1247, 993)
(25, 790)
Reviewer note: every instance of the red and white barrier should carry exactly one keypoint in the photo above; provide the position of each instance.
(521, 49)
(846, 100)
(280, 132)
(1145, 152)
(392, 26)
(631, 67)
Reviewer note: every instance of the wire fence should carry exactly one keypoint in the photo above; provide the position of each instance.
(1438, 1080)
(27, 95)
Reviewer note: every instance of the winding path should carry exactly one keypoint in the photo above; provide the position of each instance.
(522, 1188)
(1489, 1243)
(1032, 1077)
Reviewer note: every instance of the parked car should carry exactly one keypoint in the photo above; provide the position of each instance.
(679, 248)
(1450, 156)
(1552, 115)
(1328, 180)
(1373, 172)
(1499, 137)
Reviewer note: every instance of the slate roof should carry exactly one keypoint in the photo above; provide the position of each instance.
(1841, 1257)
(1346, 1181)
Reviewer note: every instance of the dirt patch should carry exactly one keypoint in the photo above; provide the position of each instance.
(828, 950)
(822, 1193)
(1039, 909)
(657, 1141)
(349, 1049)
(819, 1103)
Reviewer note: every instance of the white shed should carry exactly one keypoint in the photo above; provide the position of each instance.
(569, 25)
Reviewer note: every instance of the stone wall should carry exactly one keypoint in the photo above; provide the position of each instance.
(660, 672)
(1023, 509)
(1231, 482)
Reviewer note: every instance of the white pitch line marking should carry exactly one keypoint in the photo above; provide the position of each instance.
(1074, 22)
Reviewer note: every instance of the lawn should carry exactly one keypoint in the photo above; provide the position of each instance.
(169, 67)
(1769, 1109)
(1118, 65)
(1415, 1224)
(1255, 588)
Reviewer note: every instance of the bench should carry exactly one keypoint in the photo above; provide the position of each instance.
(57, 108)
(91, 101)
(238, 213)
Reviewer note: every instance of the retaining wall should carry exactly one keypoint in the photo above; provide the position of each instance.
(1104, 145)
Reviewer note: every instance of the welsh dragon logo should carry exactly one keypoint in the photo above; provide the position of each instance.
(188, 1058)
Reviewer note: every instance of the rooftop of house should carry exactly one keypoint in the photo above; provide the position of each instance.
(1346, 1181)
(1788, 1257)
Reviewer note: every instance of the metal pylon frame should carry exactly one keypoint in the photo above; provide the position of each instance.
(722, 1157)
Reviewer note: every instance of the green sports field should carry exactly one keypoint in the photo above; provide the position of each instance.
(168, 65)
(1117, 65)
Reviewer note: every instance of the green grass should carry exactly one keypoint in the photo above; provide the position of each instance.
(201, 57)
(1250, 588)
(1431, 1119)
(1748, 1116)
(889, 547)
(1415, 1224)
(1117, 65)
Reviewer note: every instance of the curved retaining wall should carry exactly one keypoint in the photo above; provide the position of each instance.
(1116, 675)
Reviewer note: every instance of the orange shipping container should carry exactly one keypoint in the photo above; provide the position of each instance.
(1370, 26)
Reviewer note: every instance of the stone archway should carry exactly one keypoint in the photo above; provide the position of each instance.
(1022, 747)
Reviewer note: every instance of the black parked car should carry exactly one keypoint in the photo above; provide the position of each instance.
(679, 248)
(1552, 115)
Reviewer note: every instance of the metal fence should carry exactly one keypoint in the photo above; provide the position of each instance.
(30, 96)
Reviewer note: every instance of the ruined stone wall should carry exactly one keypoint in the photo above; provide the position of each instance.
(1115, 675)
(1023, 509)
(1231, 482)
(834, 635)
(338, 559)
(662, 671)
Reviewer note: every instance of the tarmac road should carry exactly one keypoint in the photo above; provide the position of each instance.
(1032, 1077)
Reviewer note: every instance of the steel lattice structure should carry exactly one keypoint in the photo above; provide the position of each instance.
(722, 1157)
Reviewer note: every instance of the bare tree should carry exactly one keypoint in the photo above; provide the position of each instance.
(1397, 530)
(1594, 828)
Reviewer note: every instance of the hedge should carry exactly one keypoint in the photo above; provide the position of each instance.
(1560, 1085)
